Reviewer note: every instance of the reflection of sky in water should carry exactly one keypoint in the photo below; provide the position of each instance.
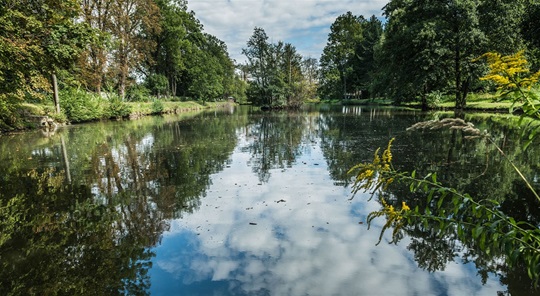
(311, 244)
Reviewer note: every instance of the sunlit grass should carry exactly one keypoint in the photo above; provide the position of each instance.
(146, 108)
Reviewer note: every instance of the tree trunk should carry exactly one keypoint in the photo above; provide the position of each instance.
(424, 99)
(460, 98)
(122, 82)
(55, 93)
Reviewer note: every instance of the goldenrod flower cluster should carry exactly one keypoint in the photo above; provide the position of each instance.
(404, 206)
(509, 72)
(392, 213)
(374, 175)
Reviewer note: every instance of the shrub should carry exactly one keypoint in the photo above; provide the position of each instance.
(157, 107)
(117, 108)
(8, 116)
(138, 93)
(80, 106)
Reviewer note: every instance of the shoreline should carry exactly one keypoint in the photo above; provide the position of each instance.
(47, 122)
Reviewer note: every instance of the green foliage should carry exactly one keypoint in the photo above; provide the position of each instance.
(434, 98)
(53, 233)
(339, 56)
(138, 93)
(478, 224)
(117, 108)
(277, 72)
(157, 84)
(157, 107)
(80, 106)
(36, 40)
(9, 118)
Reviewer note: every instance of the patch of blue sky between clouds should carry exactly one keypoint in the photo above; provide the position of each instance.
(303, 23)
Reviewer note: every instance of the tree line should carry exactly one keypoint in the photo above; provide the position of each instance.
(140, 48)
(132, 48)
(278, 75)
(424, 48)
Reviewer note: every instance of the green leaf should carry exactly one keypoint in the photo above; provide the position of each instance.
(477, 231)
(440, 202)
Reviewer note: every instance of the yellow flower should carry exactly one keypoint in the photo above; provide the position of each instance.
(405, 207)
(509, 72)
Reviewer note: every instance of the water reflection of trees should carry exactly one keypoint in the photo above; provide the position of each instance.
(276, 140)
(93, 235)
(471, 166)
(353, 136)
(56, 240)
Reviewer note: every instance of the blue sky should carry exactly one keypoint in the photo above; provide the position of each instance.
(303, 23)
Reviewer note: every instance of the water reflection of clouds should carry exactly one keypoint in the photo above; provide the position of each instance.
(309, 244)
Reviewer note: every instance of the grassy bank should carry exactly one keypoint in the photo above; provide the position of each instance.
(35, 115)
(486, 102)
(478, 102)
(166, 107)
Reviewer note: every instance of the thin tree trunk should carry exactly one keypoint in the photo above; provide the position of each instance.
(55, 93)
(424, 98)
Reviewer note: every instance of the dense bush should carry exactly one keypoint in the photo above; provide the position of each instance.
(157, 106)
(80, 106)
(116, 107)
(138, 93)
(8, 116)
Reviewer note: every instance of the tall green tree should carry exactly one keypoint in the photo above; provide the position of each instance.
(500, 20)
(294, 77)
(310, 69)
(258, 52)
(346, 33)
(93, 62)
(531, 31)
(431, 45)
(210, 70)
(132, 24)
(364, 64)
(275, 71)
(413, 53)
(172, 42)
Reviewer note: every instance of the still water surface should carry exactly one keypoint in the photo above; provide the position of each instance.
(240, 202)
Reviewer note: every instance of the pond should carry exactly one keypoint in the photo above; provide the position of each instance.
(242, 202)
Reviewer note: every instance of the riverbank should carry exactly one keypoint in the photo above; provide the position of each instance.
(35, 116)
(476, 103)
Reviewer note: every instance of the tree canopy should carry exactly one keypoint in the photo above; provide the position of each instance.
(108, 46)
(424, 47)
(276, 73)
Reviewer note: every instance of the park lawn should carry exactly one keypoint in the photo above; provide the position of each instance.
(485, 105)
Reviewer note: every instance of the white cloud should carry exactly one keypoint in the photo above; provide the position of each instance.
(303, 23)
(310, 244)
